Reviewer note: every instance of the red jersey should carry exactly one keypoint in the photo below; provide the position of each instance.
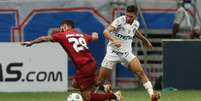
(75, 45)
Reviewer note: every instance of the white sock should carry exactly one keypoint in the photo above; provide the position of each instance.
(148, 87)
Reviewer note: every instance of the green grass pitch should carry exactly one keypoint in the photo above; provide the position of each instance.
(131, 95)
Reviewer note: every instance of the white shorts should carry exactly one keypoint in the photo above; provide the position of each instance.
(113, 57)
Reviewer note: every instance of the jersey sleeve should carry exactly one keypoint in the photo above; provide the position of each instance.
(116, 22)
(87, 38)
(135, 26)
(56, 37)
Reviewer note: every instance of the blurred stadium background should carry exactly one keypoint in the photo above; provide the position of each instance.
(173, 65)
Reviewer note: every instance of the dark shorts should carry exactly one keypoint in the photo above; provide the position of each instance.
(85, 76)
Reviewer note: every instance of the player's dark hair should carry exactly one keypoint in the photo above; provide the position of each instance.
(67, 22)
(132, 8)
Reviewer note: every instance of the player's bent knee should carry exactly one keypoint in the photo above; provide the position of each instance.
(75, 84)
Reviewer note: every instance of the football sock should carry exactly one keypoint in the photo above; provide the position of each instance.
(102, 96)
(148, 87)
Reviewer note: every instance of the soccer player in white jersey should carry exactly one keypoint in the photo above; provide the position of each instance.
(120, 34)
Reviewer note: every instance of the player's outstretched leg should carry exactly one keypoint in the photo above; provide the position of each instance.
(89, 95)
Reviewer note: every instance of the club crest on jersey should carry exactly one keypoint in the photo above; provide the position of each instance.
(120, 28)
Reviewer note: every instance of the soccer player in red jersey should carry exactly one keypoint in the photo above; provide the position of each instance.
(75, 45)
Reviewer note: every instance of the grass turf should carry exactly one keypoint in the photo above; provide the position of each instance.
(131, 95)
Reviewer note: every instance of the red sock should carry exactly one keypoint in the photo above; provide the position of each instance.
(102, 96)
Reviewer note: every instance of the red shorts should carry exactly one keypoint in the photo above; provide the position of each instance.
(85, 76)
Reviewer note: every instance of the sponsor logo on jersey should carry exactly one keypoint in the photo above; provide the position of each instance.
(124, 37)
(120, 53)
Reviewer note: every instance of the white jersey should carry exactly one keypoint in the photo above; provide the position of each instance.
(123, 54)
(124, 32)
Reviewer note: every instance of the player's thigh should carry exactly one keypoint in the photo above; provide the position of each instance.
(86, 76)
(104, 73)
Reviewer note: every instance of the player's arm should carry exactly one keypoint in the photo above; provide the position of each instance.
(92, 37)
(146, 42)
(108, 36)
(107, 32)
(37, 41)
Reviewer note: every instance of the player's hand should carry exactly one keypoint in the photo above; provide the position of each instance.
(116, 43)
(27, 44)
(94, 36)
(155, 96)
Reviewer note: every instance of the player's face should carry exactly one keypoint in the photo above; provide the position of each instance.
(130, 16)
(64, 27)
